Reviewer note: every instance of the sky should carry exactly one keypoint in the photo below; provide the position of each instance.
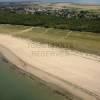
(74, 1)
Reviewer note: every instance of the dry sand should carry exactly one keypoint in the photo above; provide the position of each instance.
(76, 73)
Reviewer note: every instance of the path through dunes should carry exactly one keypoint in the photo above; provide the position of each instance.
(80, 74)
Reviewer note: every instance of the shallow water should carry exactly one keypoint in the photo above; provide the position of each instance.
(16, 86)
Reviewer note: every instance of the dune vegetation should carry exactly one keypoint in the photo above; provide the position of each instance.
(81, 41)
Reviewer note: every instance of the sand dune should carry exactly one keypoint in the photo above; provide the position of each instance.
(76, 73)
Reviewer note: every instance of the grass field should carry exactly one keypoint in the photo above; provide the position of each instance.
(81, 41)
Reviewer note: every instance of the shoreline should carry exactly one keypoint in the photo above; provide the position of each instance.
(50, 85)
(30, 76)
(52, 81)
(33, 77)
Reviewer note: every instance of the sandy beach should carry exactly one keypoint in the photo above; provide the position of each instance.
(74, 72)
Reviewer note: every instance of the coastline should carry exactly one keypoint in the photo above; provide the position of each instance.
(30, 76)
(28, 86)
(59, 85)
(20, 64)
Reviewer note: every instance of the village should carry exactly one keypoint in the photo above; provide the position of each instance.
(49, 10)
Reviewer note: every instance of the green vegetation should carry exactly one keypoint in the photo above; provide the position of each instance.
(11, 28)
(82, 41)
(51, 21)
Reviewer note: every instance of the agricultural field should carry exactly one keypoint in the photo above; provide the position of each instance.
(73, 5)
(64, 5)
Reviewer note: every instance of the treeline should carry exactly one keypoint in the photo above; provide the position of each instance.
(51, 21)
